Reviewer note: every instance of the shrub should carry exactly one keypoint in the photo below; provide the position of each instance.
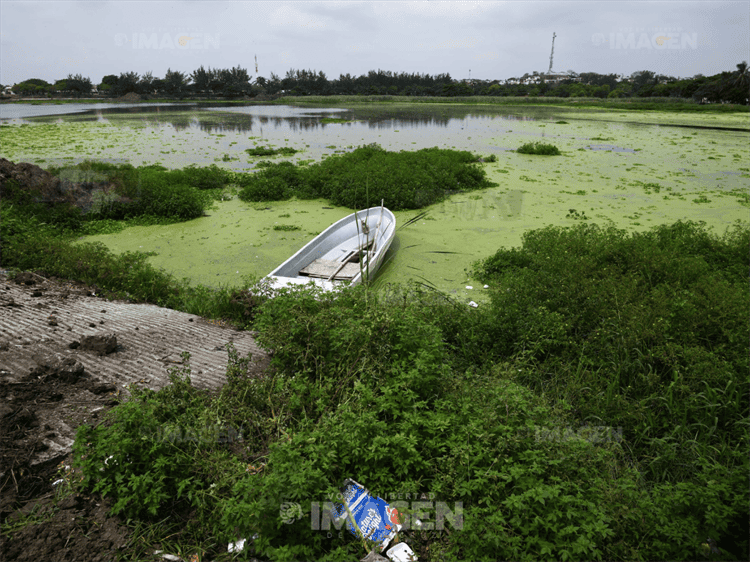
(209, 177)
(538, 148)
(267, 151)
(642, 328)
(404, 180)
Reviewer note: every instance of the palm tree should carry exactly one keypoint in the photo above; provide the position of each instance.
(743, 75)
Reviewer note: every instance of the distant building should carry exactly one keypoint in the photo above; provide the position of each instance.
(557, 77)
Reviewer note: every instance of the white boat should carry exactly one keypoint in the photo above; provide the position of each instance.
(347, 251)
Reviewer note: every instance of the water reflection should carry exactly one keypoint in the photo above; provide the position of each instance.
(232, 118)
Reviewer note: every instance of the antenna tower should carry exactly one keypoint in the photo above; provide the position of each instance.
(552, 54)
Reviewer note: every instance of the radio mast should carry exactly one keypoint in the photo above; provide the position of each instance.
(552, 54)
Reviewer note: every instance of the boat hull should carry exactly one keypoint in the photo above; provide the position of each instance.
(348, 251)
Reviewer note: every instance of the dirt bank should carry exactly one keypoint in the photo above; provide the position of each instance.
(66, 356)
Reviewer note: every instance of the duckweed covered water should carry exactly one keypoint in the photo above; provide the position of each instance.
(653, 174)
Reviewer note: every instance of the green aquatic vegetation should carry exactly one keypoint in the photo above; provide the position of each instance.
(538, 148)
(127, 191)
(576, 215)
(701, 199)
(404, 180)
(268, 151)
(286, 227)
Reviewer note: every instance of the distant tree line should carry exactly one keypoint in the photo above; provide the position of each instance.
(729, 86)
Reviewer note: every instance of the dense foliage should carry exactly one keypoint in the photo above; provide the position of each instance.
(125, 191)
(538, 148)
(728, 86)
(368, 174)
(500, 408)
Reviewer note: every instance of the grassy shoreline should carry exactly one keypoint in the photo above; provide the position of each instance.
(640, 104)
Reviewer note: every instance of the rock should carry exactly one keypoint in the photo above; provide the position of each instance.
(100, 344)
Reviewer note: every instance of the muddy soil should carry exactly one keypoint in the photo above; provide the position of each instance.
(67, 355)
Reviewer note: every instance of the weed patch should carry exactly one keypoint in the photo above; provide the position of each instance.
(538, 148)
(404, 180)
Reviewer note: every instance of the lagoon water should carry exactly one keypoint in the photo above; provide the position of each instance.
(634, 170)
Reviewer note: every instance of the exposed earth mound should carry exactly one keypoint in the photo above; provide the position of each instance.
(77, 188)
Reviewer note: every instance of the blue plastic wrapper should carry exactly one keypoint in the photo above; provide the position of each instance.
(377, 520)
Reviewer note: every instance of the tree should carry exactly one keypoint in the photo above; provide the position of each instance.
(175, 82)
(201, 79)
(146, 83)
(126, 83)
(78, 85)
(108, 85)
(59, 86)
(273, 84)
(642, 79)
(32, 86)
(236, 81)
(742, 75)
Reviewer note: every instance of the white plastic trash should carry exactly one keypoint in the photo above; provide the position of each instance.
(401, 553)
(469, 287)
(486, 286)
(236, 546)
(473, 304)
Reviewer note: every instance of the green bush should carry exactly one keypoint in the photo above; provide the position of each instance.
(150, 190)
(209, 177)
(403, 390)
(404, 180)
(538, 148)
(649, 329)
(157, 194)
(267, 151)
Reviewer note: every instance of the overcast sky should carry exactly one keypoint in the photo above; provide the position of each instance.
(485, 40)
